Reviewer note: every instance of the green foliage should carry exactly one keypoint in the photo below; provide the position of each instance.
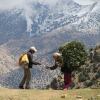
(88, 83)
(82, 77)
(74, 54)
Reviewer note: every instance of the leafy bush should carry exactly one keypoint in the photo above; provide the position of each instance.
(88, 83)
(74, 54)
(82, 77)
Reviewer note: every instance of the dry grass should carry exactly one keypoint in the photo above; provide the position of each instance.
(16, 94)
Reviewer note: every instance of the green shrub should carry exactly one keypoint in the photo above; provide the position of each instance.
(82, 77)
(88, 83)
(74, 54)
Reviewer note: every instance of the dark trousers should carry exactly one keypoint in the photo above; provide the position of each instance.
(67, 80)
(26, 79)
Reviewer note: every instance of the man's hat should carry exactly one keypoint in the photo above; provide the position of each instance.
(56, 54)
(33, 49)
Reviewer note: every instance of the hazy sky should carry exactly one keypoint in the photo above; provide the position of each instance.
(10, 4)
(27, 4)
(85, 2)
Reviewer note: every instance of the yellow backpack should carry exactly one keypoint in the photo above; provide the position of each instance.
(23, 59)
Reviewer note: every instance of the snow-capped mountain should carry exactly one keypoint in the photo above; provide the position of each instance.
(45, 24)
(64, 13)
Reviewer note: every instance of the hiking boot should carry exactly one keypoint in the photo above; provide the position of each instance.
(21, 87)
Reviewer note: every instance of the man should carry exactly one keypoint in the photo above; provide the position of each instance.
(66, 71)
(27, 73)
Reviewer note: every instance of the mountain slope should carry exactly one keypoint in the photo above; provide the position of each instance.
(50, 27)
(6, 61)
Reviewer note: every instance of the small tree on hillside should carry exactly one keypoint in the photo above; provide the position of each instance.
(74, 54)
